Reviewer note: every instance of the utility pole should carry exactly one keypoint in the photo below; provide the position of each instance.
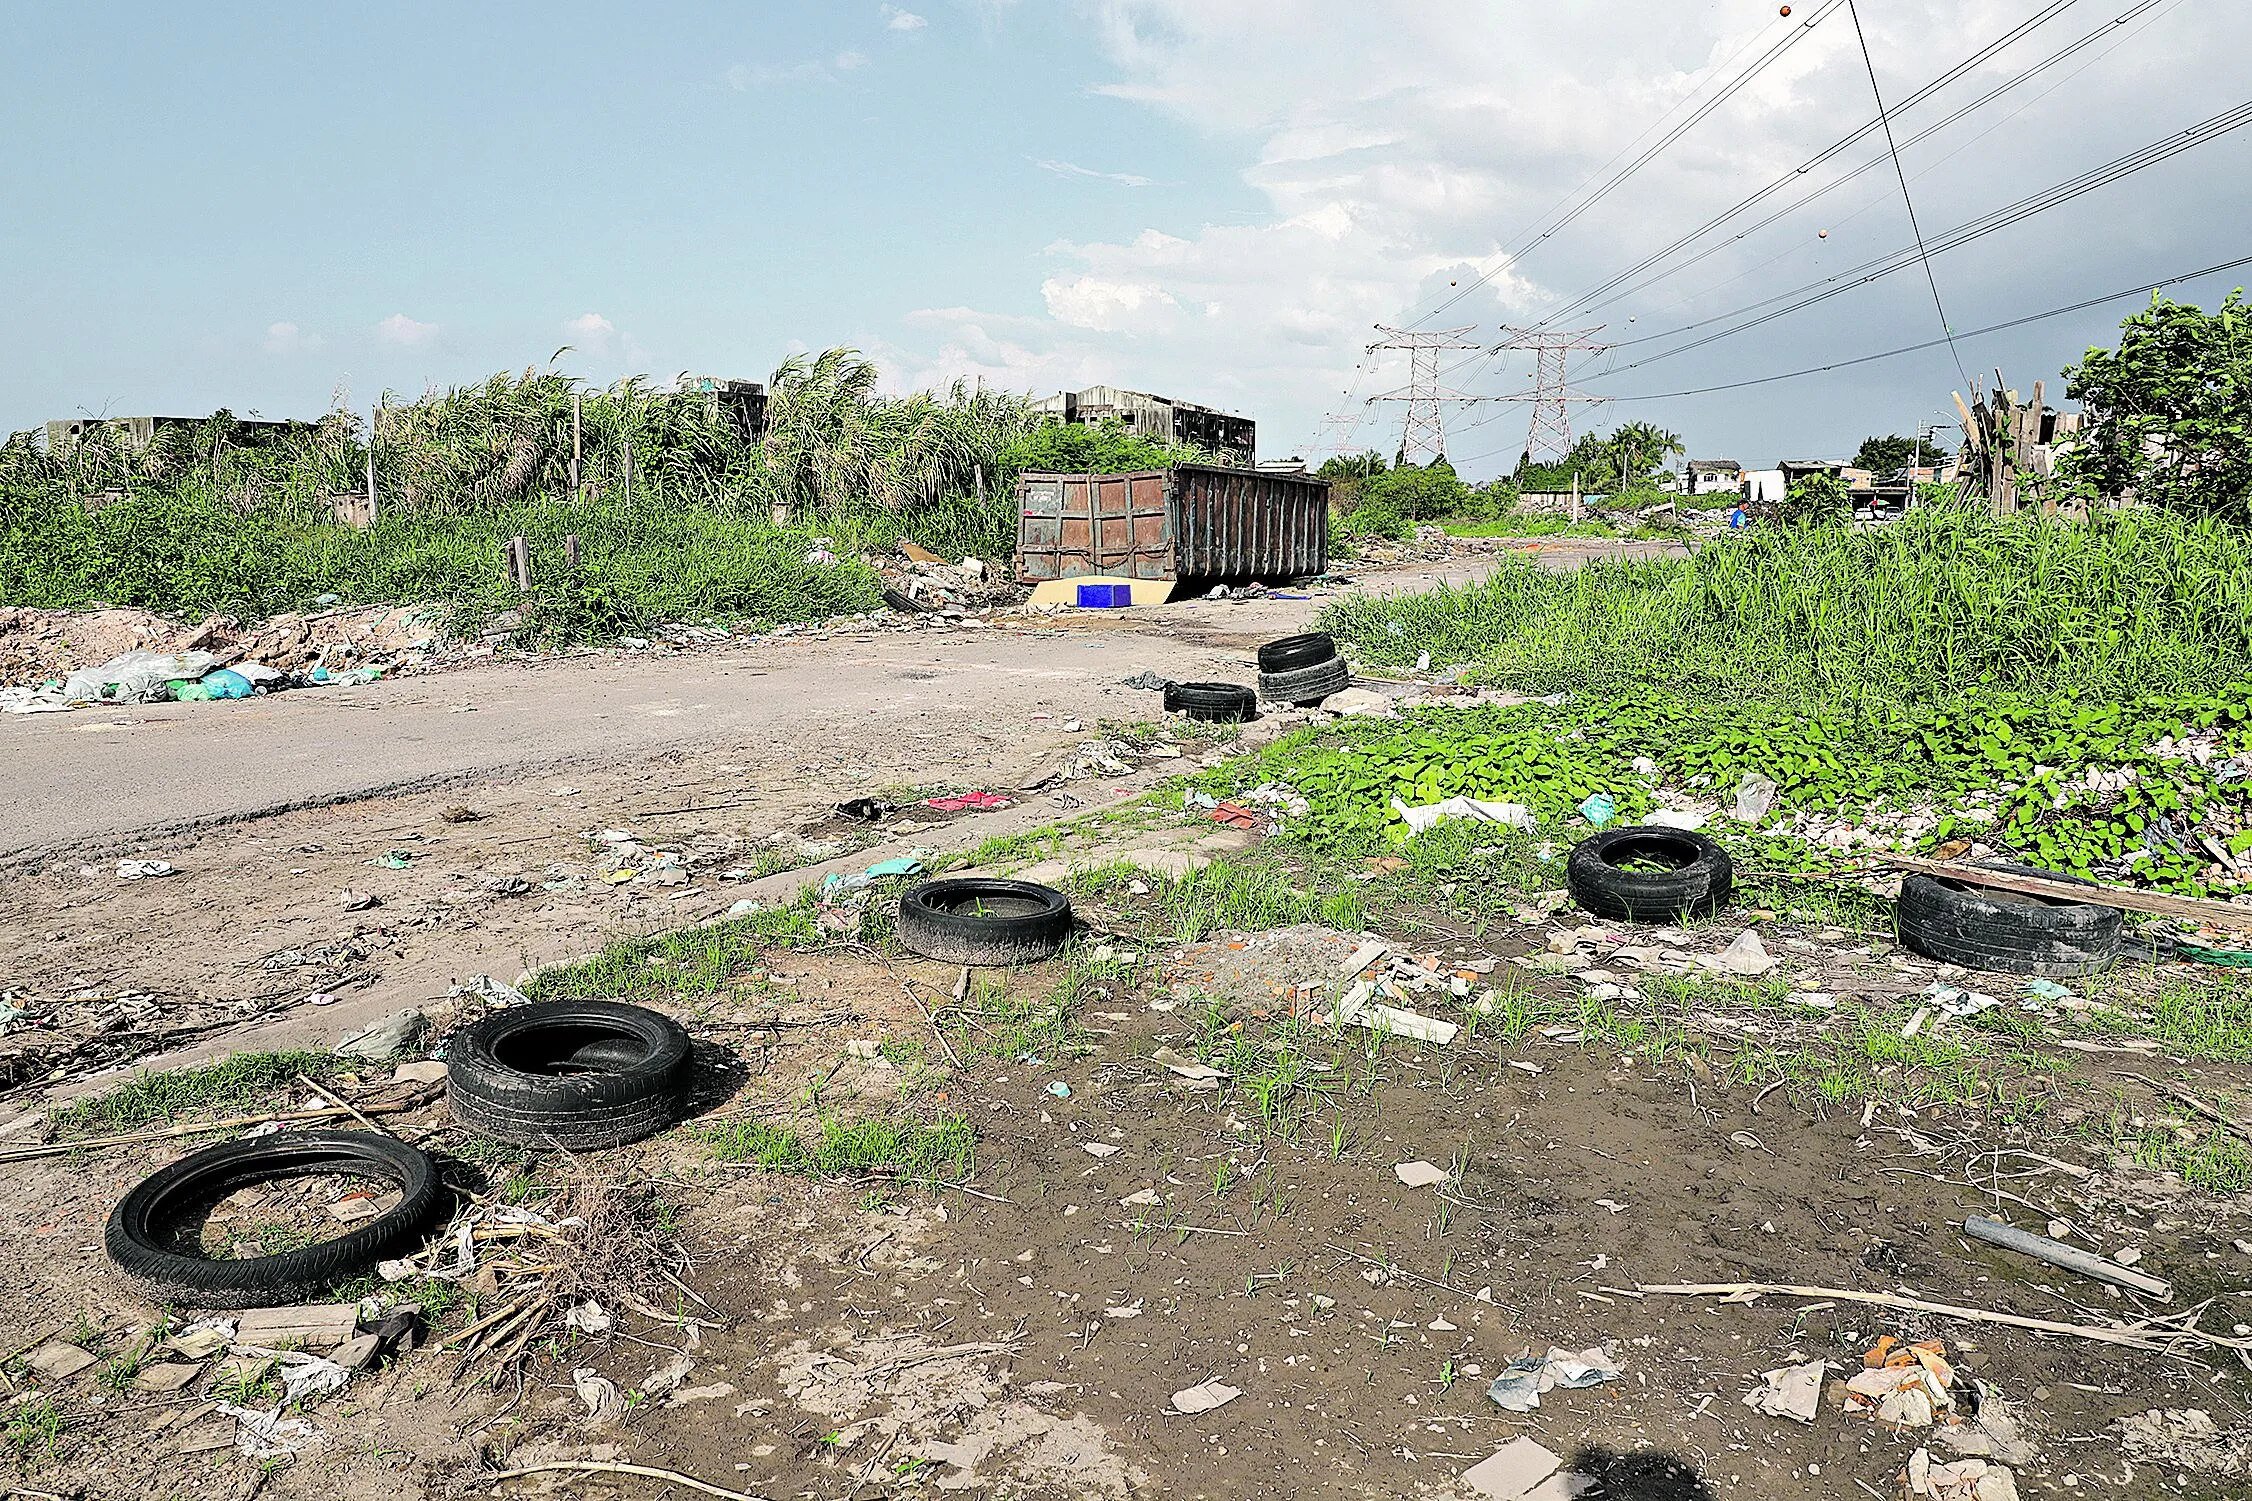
(1552, 396)
(1424, 432)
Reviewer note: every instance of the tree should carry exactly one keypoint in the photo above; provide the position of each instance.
(1428, 493)
(1637, 451)
(2169, 411)
(1885, 457)
(1816, 498)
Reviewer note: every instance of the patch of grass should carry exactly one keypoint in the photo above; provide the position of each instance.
(697, 961)
(33, 1431)
(243, 1084)
(937, 1152)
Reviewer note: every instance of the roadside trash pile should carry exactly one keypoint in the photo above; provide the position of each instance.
(138, 658)
(918, 581)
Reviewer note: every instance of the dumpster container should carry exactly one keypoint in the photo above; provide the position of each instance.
(1198, 521)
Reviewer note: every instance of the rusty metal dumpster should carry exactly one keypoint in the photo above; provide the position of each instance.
(1188, 521)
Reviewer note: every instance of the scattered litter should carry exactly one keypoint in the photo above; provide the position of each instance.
(1518, 1388)
(1792, 1391)
(863, 809)
(387, 1038)
(143, 870)
(57, 1361)
(967, 802)
(1357, 1009)
(1906, 1386)
(1747, 956)
(1962, 1480)
(1148, 681)
(1099, 1149)
(2047, 990)
(589, 1317)
(1145, 1199)
(1675, 818)
(1204, 1397)
(1420, 1174)
(1755, 796)
(1959, 1003)
(604, 1402)
(1418, 820)
(1060, 1090)
(1201, 1076)
(1523, 1470)
(1599, 809)
(269, 1435)
(302, 1375)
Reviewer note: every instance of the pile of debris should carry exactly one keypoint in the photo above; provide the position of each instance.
(918, 581)
(58, 659)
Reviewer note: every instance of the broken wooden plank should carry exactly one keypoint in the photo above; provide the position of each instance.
(2195, 908)
(321, 1326)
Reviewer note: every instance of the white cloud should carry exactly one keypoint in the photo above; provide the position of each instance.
(288, 338)
(590, 327)
(1401, 147)
(1073, 169)
(901, 20)
(847, 61)
(400, 329)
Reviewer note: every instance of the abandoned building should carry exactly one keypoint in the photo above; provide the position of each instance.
(1161, 418)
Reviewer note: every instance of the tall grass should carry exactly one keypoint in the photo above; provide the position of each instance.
(1945, 600)
(673, 504)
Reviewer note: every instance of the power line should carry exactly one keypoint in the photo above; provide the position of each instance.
(1766, 60)
(1798, 173)
(1963, 234)
(1901, 172)
(2108, 31)
(1552, 395)
(1424, 430)
(1976, 333)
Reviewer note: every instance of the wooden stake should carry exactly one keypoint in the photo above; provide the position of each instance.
(574, 448)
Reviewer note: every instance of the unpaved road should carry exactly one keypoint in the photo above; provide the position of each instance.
(94, 779)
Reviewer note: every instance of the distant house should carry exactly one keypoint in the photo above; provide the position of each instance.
(1714, 476)
(1762, 486)
(1158, 417)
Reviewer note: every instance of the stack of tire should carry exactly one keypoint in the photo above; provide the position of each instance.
(1302, 670)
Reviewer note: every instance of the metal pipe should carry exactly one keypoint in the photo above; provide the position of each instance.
(2056, 1253)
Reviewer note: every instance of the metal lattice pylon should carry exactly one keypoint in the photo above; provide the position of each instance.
(1550, 435)
(1423, 435)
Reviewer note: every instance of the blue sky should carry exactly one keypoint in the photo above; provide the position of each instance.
(255, 206)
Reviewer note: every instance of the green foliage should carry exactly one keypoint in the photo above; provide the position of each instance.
(641, 565)
(243, 1084)
(687, 962)
(1814, 499)
(1628, 459)
(1082, 448)
(1886, 457)
(945, 1151)
(1941, 602)
(1417, 492)
(2169, 411)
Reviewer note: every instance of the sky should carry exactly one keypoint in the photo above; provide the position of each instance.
(278, 208)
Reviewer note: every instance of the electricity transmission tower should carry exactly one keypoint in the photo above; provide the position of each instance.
(1423, 436)
(1552, 395)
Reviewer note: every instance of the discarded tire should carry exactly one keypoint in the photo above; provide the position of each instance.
(137, 1244)
(1222, 703)
(2006, 932)
(1292, 653)
(568, 1073)
(1649, 875)
(1306, 685)
(983, 920)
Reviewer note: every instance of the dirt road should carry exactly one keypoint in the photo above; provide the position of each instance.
(100, 778)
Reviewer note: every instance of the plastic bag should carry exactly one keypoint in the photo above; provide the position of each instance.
(226, 684)
(138, 677)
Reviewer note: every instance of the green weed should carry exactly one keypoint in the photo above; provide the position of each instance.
(242, 1084)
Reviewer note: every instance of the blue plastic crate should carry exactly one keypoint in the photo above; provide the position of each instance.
(1105, 596)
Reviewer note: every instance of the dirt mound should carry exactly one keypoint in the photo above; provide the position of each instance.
(37, 645)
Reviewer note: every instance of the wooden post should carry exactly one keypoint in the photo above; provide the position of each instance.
(574, 448)
(375, 415)
(520, 563)
(980, 470)
(571, 551)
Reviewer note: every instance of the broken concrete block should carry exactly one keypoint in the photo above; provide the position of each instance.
(58, 1362)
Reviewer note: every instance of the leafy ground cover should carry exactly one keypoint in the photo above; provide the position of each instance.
(2078, 696)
